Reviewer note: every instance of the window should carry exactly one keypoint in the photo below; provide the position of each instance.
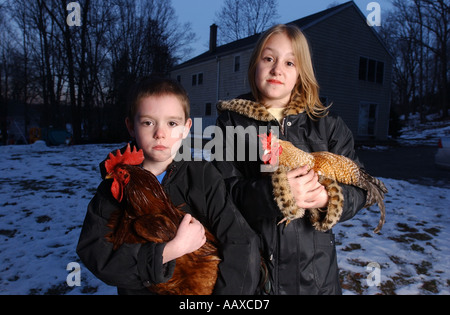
(363, 68)
(197, 79)
(371, 70)
(380, 72)
(237, 63)
(367, 119)
(208, 109)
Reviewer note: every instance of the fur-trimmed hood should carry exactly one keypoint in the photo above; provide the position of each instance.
(256, 110)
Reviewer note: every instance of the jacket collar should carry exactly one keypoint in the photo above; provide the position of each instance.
(256, 110)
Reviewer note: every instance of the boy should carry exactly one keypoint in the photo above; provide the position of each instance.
(158, 120)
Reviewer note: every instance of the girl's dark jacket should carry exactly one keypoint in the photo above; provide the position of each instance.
(132, 267)
(300, 260)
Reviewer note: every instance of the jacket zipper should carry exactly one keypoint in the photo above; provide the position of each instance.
(282, 126)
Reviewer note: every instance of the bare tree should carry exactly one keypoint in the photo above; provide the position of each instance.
(148, 40)
(437, 22)
(81, 73)
(241, 18)
(4, 73)
(417, 34)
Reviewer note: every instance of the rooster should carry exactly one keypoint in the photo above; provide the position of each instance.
(147, 215)
(328, 166)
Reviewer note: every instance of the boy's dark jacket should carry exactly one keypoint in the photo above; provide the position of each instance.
(200, 188)
(300, 259)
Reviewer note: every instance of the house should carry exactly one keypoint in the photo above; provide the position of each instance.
(352, 65)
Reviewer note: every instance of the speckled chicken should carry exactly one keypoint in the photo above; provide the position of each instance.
(147, 215)
(328, 165)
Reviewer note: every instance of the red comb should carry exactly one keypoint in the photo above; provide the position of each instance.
(266, 140)
(273, 148)
(129, 157)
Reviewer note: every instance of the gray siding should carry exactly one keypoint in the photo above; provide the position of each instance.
(337, 44)
(233, 83)
(200, 94)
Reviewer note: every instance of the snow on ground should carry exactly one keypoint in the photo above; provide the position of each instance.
(44, 195)
(45, 192)
(428, 133)
(412, 250)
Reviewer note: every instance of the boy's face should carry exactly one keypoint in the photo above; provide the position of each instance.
(276, 71)
(159, 127)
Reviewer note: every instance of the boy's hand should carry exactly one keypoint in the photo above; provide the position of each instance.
(307, 190)
(190, 237)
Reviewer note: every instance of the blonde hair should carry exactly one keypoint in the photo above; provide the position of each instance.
(306, 91)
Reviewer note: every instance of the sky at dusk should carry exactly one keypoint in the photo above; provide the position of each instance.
(202, 13)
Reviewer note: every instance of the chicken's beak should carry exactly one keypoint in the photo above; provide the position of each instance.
(109, 176)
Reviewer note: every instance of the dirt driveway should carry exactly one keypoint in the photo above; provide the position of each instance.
(414, 164)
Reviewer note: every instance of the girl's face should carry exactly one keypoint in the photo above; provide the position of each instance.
(159, 127)
(276, 71)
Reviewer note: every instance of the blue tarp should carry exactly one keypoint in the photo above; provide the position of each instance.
(58, 137)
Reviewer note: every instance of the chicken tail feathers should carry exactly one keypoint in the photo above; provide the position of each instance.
(375, 194)
(382, 217)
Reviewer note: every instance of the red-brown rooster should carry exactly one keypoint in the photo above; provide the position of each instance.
(329, 166)
(147, 215)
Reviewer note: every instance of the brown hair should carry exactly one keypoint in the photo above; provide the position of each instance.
(306, 91)
(156, 87)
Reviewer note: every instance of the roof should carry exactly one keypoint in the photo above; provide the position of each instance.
(241, 44)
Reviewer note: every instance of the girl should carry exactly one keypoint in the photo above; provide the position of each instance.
(285, 95)
(158, 120)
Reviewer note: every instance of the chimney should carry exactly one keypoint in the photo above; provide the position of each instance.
(212, 38)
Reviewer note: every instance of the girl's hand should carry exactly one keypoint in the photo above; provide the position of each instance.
(307, 190)
(190, 237)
